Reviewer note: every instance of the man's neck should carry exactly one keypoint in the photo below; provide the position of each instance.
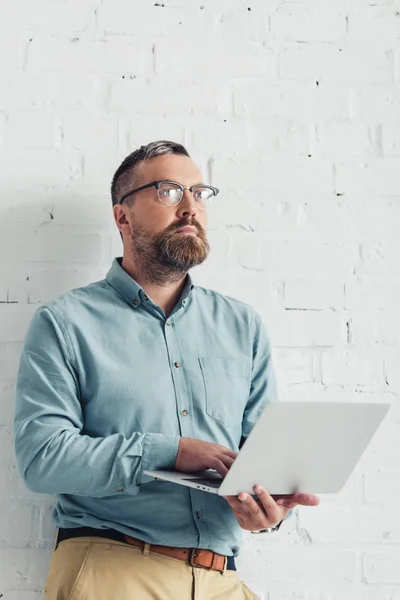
(164, 295)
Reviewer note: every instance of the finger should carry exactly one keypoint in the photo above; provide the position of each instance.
(216, 463)
(288, 503)
(306, 499)
(251, 506)
(230, 453)
(227, 460)
(234, 503)
(268, 503)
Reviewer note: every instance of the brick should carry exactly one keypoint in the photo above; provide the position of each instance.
(283, 136)
(29, 595)
(99, 165)
(344, 138)
(83, 130)
(342, 62)
(16, 489)
(50, 17)
(14, 322)
(353, 218)
(382, 567)
(308, 328)
(337, 592)
(376, 104)
(6, 445)
(307, 25)
(93, 57)
(293, 366)
(358, 524)
(376, 327)
(382, 484)
(30, 129)
(362, 296)
(49, 283)
(391, 140)
(392, 371)
(67, 247)
(351, 367)
(253, 24)
(226, 133)
(12, 50)
(397, 51)
(48, 528)
(186, 96)
(282, 174)
(140, 130)
(239, 59)
(43, 166)
(291, 100)
(374, 24)
(289, 259)
(23, 568)
(16, 521)
(314, 295)
(64, 90)
(152, 22)
(377, 176)
(305, 564)
(380, 257)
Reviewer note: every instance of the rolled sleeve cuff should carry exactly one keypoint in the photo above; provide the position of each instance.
(159, 452)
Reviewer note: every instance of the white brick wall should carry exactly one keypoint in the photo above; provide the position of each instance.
(296, 104)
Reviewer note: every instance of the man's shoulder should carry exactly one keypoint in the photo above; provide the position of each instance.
(82, 297)
(226, 301)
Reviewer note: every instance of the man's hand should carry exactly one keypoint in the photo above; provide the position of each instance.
(196, 455)
(268, 510)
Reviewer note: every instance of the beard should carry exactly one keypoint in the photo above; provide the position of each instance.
(166, 256)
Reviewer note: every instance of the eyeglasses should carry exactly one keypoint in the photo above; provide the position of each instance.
(170, 193)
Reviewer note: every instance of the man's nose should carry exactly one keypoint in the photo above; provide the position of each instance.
(187, 205)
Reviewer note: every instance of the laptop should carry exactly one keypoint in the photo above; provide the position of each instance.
(310, 447)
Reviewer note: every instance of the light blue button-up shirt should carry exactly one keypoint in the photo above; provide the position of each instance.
(107, 385)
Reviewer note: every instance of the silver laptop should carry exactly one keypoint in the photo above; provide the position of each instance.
(310, 447)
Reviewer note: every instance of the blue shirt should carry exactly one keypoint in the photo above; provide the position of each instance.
(107, 385)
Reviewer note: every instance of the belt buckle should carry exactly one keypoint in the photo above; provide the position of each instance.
(193, 555)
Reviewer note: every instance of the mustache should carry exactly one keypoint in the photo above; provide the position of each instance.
(188, 223)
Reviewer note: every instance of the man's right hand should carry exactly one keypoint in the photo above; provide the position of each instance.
(196, 455)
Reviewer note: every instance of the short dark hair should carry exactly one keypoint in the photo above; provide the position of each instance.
(124, 171)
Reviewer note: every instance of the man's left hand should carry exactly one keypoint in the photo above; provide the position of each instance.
(267, 510)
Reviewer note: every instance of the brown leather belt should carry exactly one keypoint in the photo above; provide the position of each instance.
(197, 557)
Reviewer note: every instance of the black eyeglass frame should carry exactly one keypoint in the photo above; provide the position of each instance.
(182, 187)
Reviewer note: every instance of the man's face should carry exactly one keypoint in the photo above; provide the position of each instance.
(153, 233)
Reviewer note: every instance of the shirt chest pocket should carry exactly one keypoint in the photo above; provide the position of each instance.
(226, 384)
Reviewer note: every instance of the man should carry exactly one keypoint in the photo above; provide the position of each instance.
(146, 370)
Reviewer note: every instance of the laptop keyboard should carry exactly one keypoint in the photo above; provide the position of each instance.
(210, 482)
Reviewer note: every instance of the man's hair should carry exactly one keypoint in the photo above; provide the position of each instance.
(124, 174)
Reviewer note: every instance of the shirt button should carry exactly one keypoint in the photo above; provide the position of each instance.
(167, 323)
(136, 302)
(120, 489)
(145, 297)
(185, 413)
(177, 365)
(198, 514)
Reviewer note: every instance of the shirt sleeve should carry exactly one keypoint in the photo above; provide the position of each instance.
(53, 455)
(264, 388)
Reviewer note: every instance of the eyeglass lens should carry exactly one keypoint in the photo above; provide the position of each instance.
(171, 194)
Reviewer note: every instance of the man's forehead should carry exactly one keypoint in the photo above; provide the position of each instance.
(175, 167)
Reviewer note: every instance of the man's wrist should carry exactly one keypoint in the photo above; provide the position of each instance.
(268, 529)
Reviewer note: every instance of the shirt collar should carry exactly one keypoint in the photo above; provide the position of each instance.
(119, 279)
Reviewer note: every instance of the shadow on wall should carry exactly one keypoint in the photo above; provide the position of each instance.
(47, 247)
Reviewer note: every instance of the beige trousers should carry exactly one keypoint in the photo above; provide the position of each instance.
(95, 568)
